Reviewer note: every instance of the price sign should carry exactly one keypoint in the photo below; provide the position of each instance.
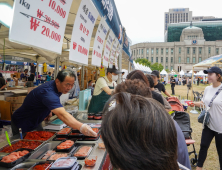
(99, 42)
(82, 32)
(40, 23)
(113, 53)
(107, 49)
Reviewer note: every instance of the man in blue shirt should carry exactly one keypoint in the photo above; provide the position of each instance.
(42, 101)
(49, 77)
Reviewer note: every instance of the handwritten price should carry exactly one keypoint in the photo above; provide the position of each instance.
(53, 35)
(58, 10)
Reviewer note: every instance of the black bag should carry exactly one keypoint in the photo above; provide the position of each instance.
(183, 120)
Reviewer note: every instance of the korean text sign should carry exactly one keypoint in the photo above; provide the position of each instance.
(82, 32)
(40, 23)
(107, 48)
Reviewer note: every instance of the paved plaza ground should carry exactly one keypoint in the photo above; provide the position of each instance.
(212, 161)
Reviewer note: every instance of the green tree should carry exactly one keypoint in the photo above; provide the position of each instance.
(144, 62)
(167, 70)
(156, 66)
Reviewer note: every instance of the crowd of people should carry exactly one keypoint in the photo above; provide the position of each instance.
(137, 129)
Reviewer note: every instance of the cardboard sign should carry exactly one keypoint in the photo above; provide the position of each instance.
(82, 32)
(99, 42)
(40, 23)
(107, 49)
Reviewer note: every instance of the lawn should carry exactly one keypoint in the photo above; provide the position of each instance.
(212, 161)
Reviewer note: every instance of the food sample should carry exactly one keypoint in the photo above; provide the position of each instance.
(65, 145)
(90, 162)
(44, 166)
(95, 130)
(101, 146)
(21, 144)
(64, 162)
(64, 131)
(57, 156)
(83, 151)
(14, 156)
(47, 154)
(39, 135)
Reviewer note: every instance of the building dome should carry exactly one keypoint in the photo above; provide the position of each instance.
(192, 29)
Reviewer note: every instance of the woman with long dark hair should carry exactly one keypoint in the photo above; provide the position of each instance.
(142, 137)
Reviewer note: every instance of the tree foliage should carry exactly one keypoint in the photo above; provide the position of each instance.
(145, 62)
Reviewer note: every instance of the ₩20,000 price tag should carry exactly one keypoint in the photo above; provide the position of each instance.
(40, 23)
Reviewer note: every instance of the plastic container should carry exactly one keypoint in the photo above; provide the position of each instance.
(98, 116)
(101, 146)
(60, 154)
(75, 134)
(90, 116)
(65, 163)
(78, 153)
(46, 165)
(65, 150)
(64, 133)
(90, 138)
(59, 139)
(91, 160)
(18, 161)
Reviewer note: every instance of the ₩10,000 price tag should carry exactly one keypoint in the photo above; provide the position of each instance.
(40, 23)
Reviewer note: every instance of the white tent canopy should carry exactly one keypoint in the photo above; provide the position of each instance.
(201, 73)
(163, 72)
(181, 73)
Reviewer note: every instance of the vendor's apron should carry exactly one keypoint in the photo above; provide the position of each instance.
(98, 102)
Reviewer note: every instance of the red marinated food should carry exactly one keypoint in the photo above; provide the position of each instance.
(57, 156)
(39, 135)
(44, 166)
(64, 131)
(83, 151)
(95, 130)
(14, 156)
(65, 145)
(90, 162)
(21, 144)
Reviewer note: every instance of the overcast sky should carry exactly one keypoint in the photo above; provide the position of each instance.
(144, 19)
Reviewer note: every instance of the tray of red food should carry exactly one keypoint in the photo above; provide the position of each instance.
(15, 157)
(65, 146)
(42, 165)
(57, 155)
(39, 135)
(59, 139)
(17, 144)
(75, 134)
(64, 132)
(83, 150)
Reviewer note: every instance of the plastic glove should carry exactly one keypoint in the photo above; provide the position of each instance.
(87, 131)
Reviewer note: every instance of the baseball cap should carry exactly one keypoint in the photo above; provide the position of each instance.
(113, 70)
(155, 73)
(213, 70)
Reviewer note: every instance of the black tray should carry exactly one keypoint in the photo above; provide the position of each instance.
(18, 161)
(78, 146)
(75, 136)
(58, 139)
(80, 167)
(63, 136)
(64, 150)
(42, 162)
(89, 138)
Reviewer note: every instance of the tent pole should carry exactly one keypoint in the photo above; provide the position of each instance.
(192, 84)
(82, 77)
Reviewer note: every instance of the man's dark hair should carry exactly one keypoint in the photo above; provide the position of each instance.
(26, 70)
(156, 72)
(14, 75)
(89, 81)
(49, 72)
(1, 75)
(139, 134)
(137, 74)
(66, 72)
(150, 79)
(135, 86)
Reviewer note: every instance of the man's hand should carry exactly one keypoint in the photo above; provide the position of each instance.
(87, 130)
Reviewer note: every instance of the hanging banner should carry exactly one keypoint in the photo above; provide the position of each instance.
(126, 46)
(107, 9)
(99, 42)
(82, 32)
(107, 49)
(118, 50)
(40, 24)
(113, 53)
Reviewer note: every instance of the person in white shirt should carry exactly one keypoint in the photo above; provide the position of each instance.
(214, 129)
(103, 89)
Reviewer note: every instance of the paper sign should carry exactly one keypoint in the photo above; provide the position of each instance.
(40, 23)
(82, 32)
(107, 49)
(113, 53)
(99, 42)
